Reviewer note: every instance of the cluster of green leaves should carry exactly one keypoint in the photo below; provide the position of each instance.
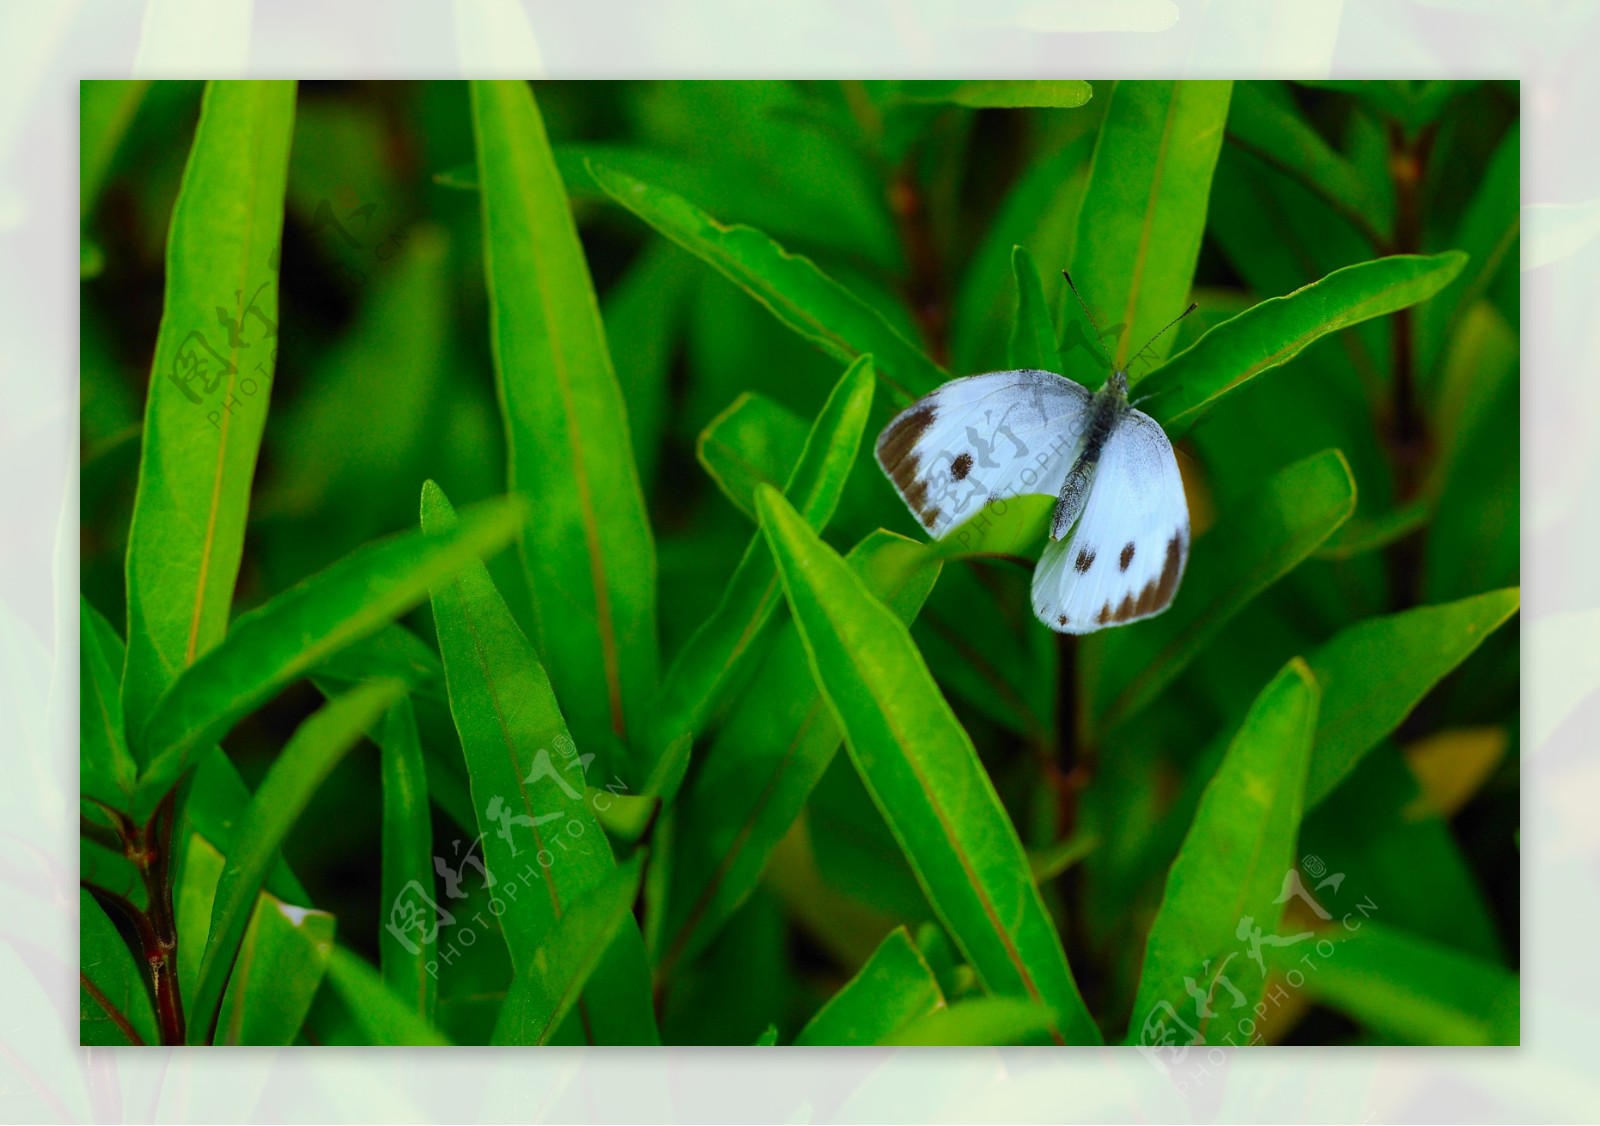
(563, 767)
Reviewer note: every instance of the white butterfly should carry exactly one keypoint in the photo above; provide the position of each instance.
(1119, 535)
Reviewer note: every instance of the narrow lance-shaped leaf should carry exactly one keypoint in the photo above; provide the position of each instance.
(283, 957)
(1488, 234)
(718, 652)
(998, 93)
(1033, 332)
(546, 989)
(767, 757)
(924, 775)
(285, 638)
(1411, 989)
(113, 1002)
(791, 287)
(893, 989)
(590, 557)
(529, 794)
(1279, 329)
(407, 860)
(1039, 212)
(1374, 672)
(1251, 548)
(311, 754)
(1145, 208)
(382, 1017)
(978, 1021)
(105, 109)
(209, 386)
(1228, 881)
(280, 965)
(108, 769)
(1274, 131)
(753, 442)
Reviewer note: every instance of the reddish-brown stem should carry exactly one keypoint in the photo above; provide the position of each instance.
(1408, 441)
(155, 865)
(925, 285)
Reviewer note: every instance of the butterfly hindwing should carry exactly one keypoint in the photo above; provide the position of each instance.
(1003, 433)
(1124, 557)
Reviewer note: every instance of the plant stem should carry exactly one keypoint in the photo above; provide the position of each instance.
(1408, 427)
(925, 285)
(150, 850)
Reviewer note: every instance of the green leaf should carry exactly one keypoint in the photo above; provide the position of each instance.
(1004, 526)
(590, 557)
(893, 989)
(1039, 212)
(1033, 332)
(1488, 233)
(1230, 872)
(1253, 546)
(407, 860)
(528, 789)
(768, 1038)
(1145, 207)
(208, 387)
(283, 955)
(105, 109)
(108, 768)
(791, 287)
(338, 478)
(1272, 129)
(394, 652)
(978, 1022)
(1279, 329)
(1412, 103)
(753, 442)
(113, 1001)
(718, 654)
(1049, 862)
(766, 759)
(310, 755)
(546, 989)
(924, 774)
(1401, 855)
(214, 803)
(1413, 990)
(998, 93)
(282, 640)
(1360, 536)
(1374, 672)
(382, 1017)
(282, 960)
(645, 315)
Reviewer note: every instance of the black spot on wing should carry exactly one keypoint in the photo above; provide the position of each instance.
(961, 466)
(1127, 554)
(1084, 561)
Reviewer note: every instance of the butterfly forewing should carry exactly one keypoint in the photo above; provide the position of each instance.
(1124, 557)
(1003, 434)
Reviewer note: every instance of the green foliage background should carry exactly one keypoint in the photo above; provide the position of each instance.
(798, 776)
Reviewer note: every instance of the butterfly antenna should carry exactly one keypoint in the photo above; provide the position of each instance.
(1192, 307)
(1088, 316)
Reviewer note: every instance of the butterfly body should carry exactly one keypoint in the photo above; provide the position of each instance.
(1119, 533)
